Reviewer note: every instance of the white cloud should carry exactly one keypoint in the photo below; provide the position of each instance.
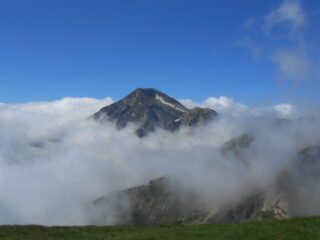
(53, 160)
(285, 110)
(228, 106)
(290, 12)
(221, 104)
(292, 65)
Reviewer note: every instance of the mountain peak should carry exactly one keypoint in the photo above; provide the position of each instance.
(145, 91)
(149, 108)
(151, 96)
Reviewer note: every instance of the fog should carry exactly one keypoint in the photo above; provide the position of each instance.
(54, 160)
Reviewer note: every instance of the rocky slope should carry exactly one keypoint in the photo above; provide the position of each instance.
(151, 109)
(159, 202)
(153, 204)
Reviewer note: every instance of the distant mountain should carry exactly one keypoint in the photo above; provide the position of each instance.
(160, 202)
(154, 203)
(151, 109)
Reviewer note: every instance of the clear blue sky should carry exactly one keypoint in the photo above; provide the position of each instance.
(194, 49)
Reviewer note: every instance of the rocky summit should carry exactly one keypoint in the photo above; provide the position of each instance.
(151, 109)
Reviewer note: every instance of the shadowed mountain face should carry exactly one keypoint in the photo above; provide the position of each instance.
(149, 109)
(301, 181)
(162, 202)
(155, 203)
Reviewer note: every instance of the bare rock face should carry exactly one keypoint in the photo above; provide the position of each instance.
(197, 116)
(159, 202)
(300, 182)
(236, 148)
(276, 205)
(152, 204)
(151, 109)
(241, 211)
(304, 170)
(306, 165)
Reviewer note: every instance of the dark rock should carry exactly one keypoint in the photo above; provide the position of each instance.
(237, 148)
(240, 212)
(152, 204)
(161, 202)
(307, 163)
(304, 169)
(300, 182)
(197, 116)
(151, 109)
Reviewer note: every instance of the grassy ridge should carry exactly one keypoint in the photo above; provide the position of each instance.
(291, 229)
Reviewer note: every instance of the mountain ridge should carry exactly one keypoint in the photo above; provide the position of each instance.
(150, 109)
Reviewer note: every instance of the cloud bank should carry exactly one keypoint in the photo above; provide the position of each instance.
(54, 160)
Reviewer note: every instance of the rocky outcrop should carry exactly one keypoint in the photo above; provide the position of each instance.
(237, 148)
(306, 165)
(196, 116)
(300, 182)
(151, 109)
(153, 204)
(159, 202)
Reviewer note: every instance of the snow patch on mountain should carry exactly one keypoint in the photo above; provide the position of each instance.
(158, 97)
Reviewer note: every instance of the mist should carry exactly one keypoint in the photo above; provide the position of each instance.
(54, 159)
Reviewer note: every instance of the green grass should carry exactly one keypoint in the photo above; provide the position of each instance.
(290, 229)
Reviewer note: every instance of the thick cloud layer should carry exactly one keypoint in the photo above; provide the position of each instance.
(54, 160)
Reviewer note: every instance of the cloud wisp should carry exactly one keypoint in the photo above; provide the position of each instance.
(283, 40)
(289, 12)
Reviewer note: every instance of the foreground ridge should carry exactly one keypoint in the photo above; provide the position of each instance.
(293, 229)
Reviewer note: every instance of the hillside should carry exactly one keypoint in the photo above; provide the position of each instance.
(290, 229)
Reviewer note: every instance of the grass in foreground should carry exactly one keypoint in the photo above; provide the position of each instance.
(290, 229)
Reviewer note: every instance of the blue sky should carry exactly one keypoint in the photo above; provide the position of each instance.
(256, 51)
